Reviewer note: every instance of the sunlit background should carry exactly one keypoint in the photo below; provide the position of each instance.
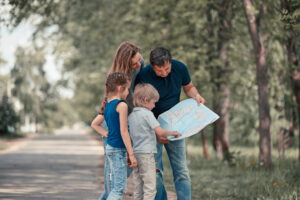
(54, 57)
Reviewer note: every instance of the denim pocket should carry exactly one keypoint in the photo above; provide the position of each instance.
(110, 154)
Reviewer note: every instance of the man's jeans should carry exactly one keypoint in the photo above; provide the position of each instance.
(177, 156)
(117, 163)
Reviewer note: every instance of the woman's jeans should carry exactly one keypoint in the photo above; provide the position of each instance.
(177, 156)
(118, 165)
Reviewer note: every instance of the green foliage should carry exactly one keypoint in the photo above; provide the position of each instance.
(85, 35)
(39, 98)
(8, 117)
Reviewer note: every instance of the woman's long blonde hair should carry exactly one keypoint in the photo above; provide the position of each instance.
(122, 61)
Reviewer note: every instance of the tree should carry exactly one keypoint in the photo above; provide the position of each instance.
(8, 116)
(222, 71)
(254, 22)
(291, 20)
(31, 85)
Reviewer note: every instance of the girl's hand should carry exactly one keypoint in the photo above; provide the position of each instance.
(127, 159)
(133, 162)
(106, 134)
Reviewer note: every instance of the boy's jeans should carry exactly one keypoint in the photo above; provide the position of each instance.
(117, 163)
(144, 177)
(177, 156)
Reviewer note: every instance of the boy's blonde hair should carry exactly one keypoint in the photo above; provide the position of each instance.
(144, 91)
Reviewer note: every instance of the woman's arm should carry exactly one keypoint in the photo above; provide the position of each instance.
(122, 109)
(96, 125)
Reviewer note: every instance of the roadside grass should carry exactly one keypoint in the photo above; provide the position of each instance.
(243, 178)
(12, 136)
(5, 139)
(2, 146)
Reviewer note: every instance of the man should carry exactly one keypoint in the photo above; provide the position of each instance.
(168, 76)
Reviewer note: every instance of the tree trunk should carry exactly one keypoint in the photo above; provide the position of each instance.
(296, 82)
(222, 97)
(204, 143)
(262, 81)
(295, 72)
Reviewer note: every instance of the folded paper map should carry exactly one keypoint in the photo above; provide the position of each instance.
(187, 118)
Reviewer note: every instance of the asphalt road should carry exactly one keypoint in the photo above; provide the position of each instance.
(62, 166)
(66, 165)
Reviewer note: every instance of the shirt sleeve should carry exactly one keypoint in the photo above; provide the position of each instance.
(186, 79)
(152, 121)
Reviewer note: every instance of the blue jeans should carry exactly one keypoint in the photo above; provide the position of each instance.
(117, 163)
(177, 156)
(107, 174)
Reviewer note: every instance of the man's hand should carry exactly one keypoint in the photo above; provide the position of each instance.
(162, 140)
(199, 99)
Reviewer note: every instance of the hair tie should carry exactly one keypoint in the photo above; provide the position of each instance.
(104, 102)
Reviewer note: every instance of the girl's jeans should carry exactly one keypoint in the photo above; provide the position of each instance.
(117, 163)
(107, 174)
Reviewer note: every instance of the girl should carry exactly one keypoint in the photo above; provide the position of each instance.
(118, 139)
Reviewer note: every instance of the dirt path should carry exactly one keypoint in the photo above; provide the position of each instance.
(66, 165)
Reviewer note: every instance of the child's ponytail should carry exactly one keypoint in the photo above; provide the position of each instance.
(101, 112)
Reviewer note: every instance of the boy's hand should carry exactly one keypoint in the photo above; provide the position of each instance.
(162, 140)
(133, 162)
(176, 134)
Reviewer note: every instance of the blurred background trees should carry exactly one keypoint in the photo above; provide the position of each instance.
(214, 39)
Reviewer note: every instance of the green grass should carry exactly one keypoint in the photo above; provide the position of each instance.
(8, 137)
(2, 146)
(214, 179)
(11, 136)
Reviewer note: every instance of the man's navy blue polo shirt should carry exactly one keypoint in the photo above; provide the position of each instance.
(169, 87)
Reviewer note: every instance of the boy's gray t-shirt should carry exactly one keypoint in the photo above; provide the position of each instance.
(141, 129)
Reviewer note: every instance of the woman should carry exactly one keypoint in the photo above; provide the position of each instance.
(128, 60)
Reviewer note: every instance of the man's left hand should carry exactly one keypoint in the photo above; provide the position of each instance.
(199, 99)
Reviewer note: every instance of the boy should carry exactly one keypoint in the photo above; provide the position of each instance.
(143, 128)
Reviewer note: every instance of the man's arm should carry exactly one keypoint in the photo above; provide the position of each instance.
(191, 91)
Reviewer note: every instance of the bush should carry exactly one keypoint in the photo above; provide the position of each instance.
(8, 117)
